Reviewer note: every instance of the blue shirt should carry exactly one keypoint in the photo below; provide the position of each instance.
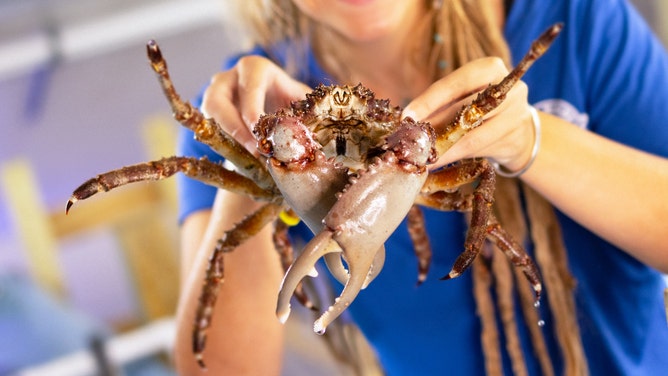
(607, 73)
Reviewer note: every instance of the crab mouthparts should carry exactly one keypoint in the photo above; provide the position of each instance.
(340, 144)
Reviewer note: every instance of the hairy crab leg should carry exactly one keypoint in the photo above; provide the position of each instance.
(456, 201)
(207, 130)
(421, 246)
(452, 177)
(201, 169)
(472, 115)
(442, 191)
(469, 171)
(247, 228)
(483, 198)
(447, 201)
(516, 255)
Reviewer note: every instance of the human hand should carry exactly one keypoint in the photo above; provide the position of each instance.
(236, 98)
(506, 135)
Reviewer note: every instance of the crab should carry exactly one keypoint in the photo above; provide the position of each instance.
(352, 168)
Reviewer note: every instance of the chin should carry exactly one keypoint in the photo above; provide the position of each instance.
(366, 31)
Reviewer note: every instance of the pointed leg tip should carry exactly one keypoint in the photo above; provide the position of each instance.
(450, 275)
(70, 202)
(421, 278)
(538, 289)
(153, 51)
(550, 34)
(200, 360)
(556, 28)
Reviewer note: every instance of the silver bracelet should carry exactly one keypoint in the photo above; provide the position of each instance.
(534, 152)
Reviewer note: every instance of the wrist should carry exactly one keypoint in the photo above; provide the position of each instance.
(513, 171)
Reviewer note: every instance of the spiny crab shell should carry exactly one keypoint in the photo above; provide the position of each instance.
(346, 122)
(350, 166)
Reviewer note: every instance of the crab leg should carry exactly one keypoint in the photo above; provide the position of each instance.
(495, 233)
(447, 201)
(421, 246)
(467, 172)
(472, 115)
(452, 177)
(440, 190)
(516, 255)
(206, 130)
(247, 228)
(201, 169)
(483, 198)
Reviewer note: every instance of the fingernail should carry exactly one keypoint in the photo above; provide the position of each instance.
(247, 120)
(408, 113)
(251, 146)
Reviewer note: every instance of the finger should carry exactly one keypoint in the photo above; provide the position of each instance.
(445, 94)
(220, 103)
(288, 89)
(254, 79)
(265, 87)
(504, 136)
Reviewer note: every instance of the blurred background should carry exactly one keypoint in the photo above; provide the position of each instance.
(95, 291)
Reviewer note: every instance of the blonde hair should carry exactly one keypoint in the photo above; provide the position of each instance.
(459, 31)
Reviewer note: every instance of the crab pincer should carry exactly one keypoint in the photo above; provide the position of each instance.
(367, 212)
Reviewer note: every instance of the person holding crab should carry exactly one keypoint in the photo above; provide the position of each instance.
(588, 173)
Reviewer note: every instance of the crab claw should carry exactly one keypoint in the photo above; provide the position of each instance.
(366, 213)
(324, 243)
